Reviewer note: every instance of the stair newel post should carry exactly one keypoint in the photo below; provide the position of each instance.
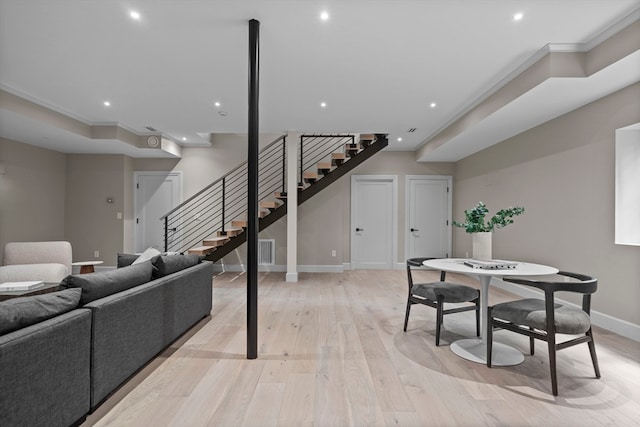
(223, 233)
(252, 193)
(166, 233)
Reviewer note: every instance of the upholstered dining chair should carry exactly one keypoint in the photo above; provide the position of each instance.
(543, 319)
(436, 294)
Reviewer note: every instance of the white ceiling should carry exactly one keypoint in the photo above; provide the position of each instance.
(377, 64)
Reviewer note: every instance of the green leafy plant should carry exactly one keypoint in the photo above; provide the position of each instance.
(474, 219)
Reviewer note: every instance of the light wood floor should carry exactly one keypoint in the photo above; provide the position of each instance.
(332, 353)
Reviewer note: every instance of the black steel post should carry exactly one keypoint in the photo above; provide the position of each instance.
(252, 194)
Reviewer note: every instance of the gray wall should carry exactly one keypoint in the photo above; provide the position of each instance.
(91, 224)
(32, 193)
(563, 173)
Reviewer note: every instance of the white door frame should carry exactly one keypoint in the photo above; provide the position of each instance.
(355, 179)
(407, 199)
(136, 211)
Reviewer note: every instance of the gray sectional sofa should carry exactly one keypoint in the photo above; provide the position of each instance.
(59, 368)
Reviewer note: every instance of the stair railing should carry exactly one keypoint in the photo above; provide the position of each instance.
(215, 206)
(315, 148)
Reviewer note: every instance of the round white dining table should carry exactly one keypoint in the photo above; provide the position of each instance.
(475, 349)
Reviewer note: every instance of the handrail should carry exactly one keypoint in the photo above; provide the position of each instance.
(219, 203)
(220, 179)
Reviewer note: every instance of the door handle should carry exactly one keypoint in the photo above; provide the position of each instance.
(359, 229)
(414, 229)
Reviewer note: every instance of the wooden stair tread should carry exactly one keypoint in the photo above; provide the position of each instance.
(338, 159)
(269, 205)
(262, 214)
(202, 250)
(310, 177)
(324, 168)
(280, 195)
(215, 241)
(366, 139)
(230, 232)
(239, 223)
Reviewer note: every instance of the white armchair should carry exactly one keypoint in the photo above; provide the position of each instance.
(46, 261)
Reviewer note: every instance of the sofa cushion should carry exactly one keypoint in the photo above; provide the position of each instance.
(18, 313)
(163, 265)
(104, 283)
(124, 260)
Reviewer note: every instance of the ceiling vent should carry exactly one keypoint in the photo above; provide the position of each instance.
(411, 130)
(151, 129)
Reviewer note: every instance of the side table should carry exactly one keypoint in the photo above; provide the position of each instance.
(87, 266)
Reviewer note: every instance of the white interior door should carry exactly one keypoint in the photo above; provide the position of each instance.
(428, 218)
(373, 221)
(156, 193)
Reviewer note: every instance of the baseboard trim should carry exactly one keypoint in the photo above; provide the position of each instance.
(610, 323)
(280, 268)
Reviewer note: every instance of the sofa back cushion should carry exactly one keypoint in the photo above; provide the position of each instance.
(105, 283)
(163, 265)
(18, 313)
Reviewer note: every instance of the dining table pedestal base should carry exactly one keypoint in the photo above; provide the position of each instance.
(475, 350)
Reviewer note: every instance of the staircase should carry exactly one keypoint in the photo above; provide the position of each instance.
(211, 222)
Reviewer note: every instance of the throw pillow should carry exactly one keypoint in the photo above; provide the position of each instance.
(124, 260)
(147, 255)
(164, 265)
(18, 313)
(105, 283)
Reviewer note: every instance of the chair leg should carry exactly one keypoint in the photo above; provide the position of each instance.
(477, 316)
(551, 340)
(439, 317)
(406, 316)
(489, 336)
(532, 343)
(592, 350)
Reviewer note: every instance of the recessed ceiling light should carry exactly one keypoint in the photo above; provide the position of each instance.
(134, 15)
(518, 16)
(323, 104)
(107, 104)
(184, 139)
(399, 139)
(433, 105)
(222, 113)
(324, 15)
(217, 104)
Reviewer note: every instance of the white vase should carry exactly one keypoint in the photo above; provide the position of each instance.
(481, 245)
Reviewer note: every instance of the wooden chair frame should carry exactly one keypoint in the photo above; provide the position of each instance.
(587, 285)
(438, 304)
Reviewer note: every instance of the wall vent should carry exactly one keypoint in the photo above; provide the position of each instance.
(266, 251)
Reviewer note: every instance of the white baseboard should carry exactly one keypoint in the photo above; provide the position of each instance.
(610, 323)
(346, 266)
(281, 268)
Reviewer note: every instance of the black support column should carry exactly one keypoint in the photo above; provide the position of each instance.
(252, 208)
